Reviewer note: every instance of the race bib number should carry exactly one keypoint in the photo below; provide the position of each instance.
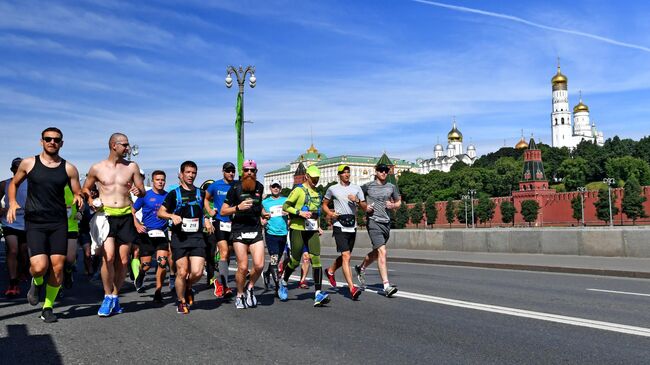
(311, 224)
(224, 226)
(276, 211)
(248, 235)
(156, 233)
(190, 225)
(349, 229)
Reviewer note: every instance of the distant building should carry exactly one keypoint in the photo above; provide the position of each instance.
(442, 161)
(362, 168)
(568, 131)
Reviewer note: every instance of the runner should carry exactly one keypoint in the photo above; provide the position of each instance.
(244, 200)
(14, 233)
(345, 197)
(135, 267)
(117, 179)
(382, 196)
(91, 262)
(211, 260)
(303, 204)
(216, 194)
(275, 232)
(46, 223)
(73, 236)
(153, 233)
(184, 206)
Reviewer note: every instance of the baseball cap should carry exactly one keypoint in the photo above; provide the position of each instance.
(313, 171)
(342, 167)
(381, 166)
(228, 165)
(15, 163)
(250, 164)
(276, 182)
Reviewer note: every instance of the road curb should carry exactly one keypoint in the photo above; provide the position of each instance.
(525, 267)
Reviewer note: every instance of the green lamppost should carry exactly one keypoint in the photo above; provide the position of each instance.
(240, 73)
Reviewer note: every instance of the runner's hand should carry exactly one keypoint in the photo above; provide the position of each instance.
(246, 204)
(212, 212)
(140, 228)
(352, 198)
(370, 208)
(209, 226)
(176, 220)
(134, 190)
(332, 215)
(305, 215)
(320, 231)
(78, 201)
(11, 212)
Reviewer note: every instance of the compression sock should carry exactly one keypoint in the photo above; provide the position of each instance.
(223, 272)
(135, 267)
(386, 284)
(317, 272)
(38, 280)
(50, 295)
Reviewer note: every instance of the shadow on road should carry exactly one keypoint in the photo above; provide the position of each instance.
(21, 348)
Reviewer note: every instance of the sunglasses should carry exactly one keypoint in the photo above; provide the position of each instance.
(385, 171)
(50, 139)
(125, 145)
(250, 170)
(230, 171)
(275, 186)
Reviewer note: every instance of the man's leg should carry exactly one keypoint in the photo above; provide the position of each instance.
(241, 252)
(54, 280)
(88, 260)
(223, 262)
(196, 269)
(108, 266)
(39, 265)
(162, 256)
(347, 272)
(257, 255)
(182, 271)
(120, 264)
(11, 243)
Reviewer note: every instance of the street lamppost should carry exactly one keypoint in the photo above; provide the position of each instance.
(471, 193)
(582, 191)
(243, 132)
(134, 150)
(609, 181)
(240, 73)
(465, 197)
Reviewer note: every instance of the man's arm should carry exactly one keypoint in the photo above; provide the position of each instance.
(18, 179)
(326, 209)
(163, 213)
(138, 181)
(206, 203)
(91, 179)
(135, 207)
(75, 186)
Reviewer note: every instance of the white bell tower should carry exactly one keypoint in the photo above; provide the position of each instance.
(561, 125)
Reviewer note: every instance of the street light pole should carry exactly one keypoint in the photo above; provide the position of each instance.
(609, 181)
(465, 197)
(471, 193)
(582, 190)
(240, 73)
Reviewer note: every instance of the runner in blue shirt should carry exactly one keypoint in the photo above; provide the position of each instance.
(275, 229)
(153, 233)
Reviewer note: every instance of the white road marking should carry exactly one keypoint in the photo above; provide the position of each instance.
(620, 292)
(549, 317)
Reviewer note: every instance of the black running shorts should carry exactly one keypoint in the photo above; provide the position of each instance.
(122, 229)
(47, 238)
(8, 231)
(344, 240)
(149, 245)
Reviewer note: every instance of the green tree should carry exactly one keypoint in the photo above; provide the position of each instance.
(508, 172)
(530, 210)
(576, 205)
(633, 200)
(573, 172)
(401, 216)
(642, 149)
(361, 217)
(595, 158)
(485, 209)
(410, 186)
(460, 211)
(488, 160)
(602, 205)
(553, 157)
(508, 211)
(450, 211)
(431, 210)
(416, 214)
(622, 168)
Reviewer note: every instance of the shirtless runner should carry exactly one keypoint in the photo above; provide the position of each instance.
(117, 178)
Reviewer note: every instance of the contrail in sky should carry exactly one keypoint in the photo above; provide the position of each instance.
(533, 24)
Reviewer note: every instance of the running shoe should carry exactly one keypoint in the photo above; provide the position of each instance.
(240, 302)
(227, 292)
(331, 278)
(117, 309)
(321, 299)
(107, 307)
(189, 296)
(251, 300)
(218, 289)
(355, 292)
(303, 285)
(34, 293)
(139, 282)
(182, 308)
(157, 296)
(47, 315)
(283, 293)
(67, 278)
(390, 291)
(361, 275)
(266, 276)
(11, 291)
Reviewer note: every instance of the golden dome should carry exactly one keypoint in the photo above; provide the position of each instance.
(454, 134)
(581, 107)
(312, 149)
(559, 78)
(521, 145)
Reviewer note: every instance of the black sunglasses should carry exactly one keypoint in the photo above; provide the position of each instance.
(275, 186)
(230, 171)
(385, 170)
(125, 145)
(250, 170)
(50, 139)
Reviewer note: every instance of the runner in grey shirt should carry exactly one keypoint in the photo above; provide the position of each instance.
(382, 196)
(345, 198)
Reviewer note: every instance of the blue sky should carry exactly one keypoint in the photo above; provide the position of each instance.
(365, 76)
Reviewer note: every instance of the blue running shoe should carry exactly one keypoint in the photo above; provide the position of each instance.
(106, 308)
(283, 293)
(117, 309)
(321, 299)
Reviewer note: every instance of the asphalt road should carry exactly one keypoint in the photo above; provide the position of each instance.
(443, 314)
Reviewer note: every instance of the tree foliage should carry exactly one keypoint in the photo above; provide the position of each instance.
(573, 172)
(431, 210)
(508, 211)
(416, 213)
(623, 168)
(401, 217)
(450, 211)
(485, 209)
(633, 200)
(602, 205)
(530, 210)
(576, 206)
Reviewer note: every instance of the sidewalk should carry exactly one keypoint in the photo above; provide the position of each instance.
(592, 265)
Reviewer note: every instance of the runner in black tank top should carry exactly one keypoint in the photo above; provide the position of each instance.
(46, 224)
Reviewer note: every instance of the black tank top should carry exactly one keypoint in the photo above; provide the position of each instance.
(46, 193)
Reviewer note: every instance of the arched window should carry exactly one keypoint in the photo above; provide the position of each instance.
(555, 121)
(562, 120)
